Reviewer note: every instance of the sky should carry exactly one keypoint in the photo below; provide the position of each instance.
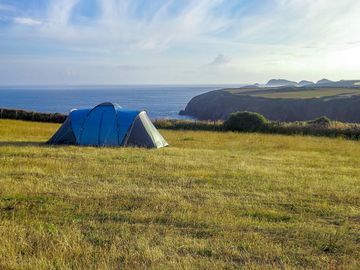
(177, 41)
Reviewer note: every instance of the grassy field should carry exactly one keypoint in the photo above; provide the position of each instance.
(313, 93)
(295, 93)
(209, 201)
(241, 91)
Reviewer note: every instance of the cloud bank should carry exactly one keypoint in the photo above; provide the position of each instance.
(269, 38)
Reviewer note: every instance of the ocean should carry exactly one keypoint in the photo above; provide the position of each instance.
(158, 101)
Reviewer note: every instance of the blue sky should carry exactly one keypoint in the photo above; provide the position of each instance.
(177, 41)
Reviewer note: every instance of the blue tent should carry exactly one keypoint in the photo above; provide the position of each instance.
(108, 124)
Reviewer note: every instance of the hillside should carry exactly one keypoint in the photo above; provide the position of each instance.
(282, 103)
(209, 201)
(281, 82)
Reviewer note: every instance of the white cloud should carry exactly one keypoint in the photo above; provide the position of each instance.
(302, 22)
(60, 12)
(294, 23)
(27, 21)
(274, 38)
(220, 60)
(115, 28)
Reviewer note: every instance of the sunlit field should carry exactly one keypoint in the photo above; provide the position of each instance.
(211, 200)
(293, 93)
(311, 93)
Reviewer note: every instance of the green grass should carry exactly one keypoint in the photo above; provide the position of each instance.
(212, 200)
(240, 91)
(294, 93)
(306, 94)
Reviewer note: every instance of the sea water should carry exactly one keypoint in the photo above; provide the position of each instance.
(159, 101)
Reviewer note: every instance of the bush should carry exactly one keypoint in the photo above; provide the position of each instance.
(246, 121)
(321, 121)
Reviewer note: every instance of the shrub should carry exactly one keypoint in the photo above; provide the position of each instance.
(321, 121)
(246, 121)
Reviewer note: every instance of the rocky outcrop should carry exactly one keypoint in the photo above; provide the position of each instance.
(220, 104)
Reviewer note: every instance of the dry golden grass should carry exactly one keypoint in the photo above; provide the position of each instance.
(209, 201)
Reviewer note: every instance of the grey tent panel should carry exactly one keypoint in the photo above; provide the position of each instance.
(143, 133)
(138, 136)
(156, 137)
(64, 135)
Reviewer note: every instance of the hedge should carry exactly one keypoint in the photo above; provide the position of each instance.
(319, 127)
(32, 116)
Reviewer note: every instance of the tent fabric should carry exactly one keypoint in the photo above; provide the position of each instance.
(108, 124)
(136, 135)
(64, 135)
(142, 125)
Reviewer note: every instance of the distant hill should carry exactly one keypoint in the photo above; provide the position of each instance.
(324, 81)
(251, 86)
(280, 82)
(342, 83)
(305, 83)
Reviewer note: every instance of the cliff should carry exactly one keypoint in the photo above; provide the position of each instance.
(220, 103)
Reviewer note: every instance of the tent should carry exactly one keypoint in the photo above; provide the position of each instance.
(108, 124)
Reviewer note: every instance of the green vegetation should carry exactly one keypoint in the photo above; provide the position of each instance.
(321, 126)
(317, 127)
(246, 122)
(322, 121)
(310, 93)
(254, 122)
(239, 91)
(32, 116)
(295, 93)
(211, 200)
(174, 124)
